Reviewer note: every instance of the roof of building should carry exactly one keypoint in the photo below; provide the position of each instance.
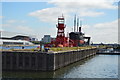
(7, 34)
(20, 36)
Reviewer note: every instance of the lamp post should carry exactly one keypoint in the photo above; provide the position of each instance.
(40, 45)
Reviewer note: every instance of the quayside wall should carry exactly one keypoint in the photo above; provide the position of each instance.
(43, 61)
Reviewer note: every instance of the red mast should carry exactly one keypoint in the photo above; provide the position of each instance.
(60, 33)
(61, 40)
(61, 27)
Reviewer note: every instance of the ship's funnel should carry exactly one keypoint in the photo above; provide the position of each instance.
(80, 26)
(79, 29)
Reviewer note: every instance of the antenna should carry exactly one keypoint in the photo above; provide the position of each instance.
(74, 23)
(77, 24)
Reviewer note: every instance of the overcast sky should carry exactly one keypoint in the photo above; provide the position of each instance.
(99, 18)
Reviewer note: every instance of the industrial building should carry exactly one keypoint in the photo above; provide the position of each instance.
(17, 36)
(46, 39)
(11, 38)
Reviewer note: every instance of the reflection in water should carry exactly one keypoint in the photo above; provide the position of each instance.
(99, 66)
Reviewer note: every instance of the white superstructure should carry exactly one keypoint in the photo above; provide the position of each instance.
(14, 42)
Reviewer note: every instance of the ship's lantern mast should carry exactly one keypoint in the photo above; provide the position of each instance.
(60, 20)
(61, 27)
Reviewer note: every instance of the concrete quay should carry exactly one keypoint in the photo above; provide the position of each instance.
(42, 61)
